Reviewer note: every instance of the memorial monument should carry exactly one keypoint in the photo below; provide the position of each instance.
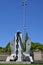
(17, 53)
(16, 50)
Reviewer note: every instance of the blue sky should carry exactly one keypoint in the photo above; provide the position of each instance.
(12, 19)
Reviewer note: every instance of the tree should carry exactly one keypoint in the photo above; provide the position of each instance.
(35, 46)
(8, 49)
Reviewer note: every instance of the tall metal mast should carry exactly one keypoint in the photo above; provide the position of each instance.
(24, 3)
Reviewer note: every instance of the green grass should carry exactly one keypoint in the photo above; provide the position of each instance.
(20, 64)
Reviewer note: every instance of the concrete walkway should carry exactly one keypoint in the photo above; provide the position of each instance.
(15, 62)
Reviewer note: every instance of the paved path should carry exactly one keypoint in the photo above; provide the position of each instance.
(15, 62)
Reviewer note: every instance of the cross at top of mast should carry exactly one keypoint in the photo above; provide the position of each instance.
(24, 2)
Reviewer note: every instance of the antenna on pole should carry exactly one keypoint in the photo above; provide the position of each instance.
(24, 4)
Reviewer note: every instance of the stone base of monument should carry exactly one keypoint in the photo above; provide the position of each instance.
(27, 57)
(11, 57)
